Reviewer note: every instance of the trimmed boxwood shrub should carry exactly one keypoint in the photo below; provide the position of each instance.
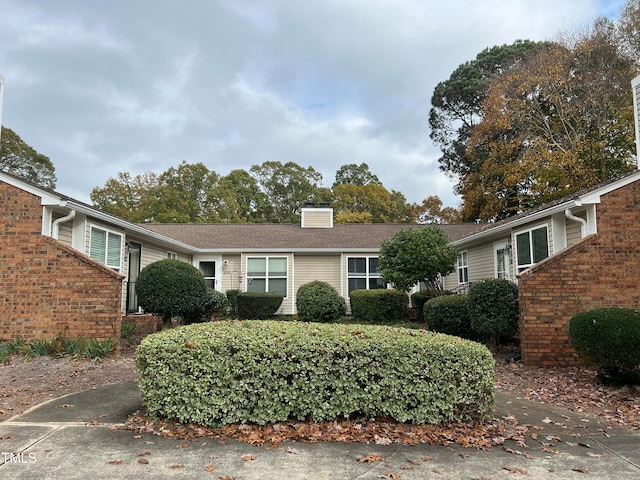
(379, 306)
(449, 314)
(268, 371)
(172, 288)
(493, 307)
(318, 301)
(609, 340)
(258, 305)
(232, 296)
(418, 300)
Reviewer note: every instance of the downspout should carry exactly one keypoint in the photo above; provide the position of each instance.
(55, 228)
(583, 222)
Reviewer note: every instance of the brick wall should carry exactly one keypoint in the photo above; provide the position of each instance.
(602, 270)
(46, 288)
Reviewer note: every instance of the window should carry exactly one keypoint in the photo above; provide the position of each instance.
(172, 255)
(106, 247)
(463, 267)
(502, 260)
(267, 274)
(208, 269)
(364, 274)
(532, 247)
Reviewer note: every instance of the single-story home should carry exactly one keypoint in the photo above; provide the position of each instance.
(69, 269)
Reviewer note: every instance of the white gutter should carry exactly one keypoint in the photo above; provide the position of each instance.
(583, 222)
(55, 228)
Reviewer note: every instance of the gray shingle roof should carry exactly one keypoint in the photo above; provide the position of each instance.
(288, 236)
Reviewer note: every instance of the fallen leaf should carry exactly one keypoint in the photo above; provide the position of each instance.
(177, 465)
(65, 405)
(372, 457)
(292, 450)
(426, 459)
(393, 476)
(209, 468)
(6, 437)
(142, 453)
(547, 420)
(580, 470)
(143, 461)
(116, 462)
(598, 455)
(521, 471)
(183, 445)
(248, 457)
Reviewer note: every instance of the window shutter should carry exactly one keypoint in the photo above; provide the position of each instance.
(524, 252)
(114, 249)
(540, 244)
(97, 245)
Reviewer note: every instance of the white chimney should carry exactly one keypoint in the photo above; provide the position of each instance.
(317, 217)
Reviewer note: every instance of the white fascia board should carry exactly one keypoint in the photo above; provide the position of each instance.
(129, 227)
(46, 197)
(507, 227)
(313, 251)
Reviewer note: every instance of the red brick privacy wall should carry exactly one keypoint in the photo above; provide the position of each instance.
(46, 288)
(602, 270)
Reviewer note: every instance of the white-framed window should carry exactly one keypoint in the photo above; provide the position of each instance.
(105, 246)
(267, 274)
(208, 270)
(532, 246)
(172, 255)
(502, 260)
(364, 274)
(463, 267)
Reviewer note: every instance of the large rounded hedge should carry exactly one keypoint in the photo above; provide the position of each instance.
(172, 288)
(261, 372)
(608, 339)
(318, 301)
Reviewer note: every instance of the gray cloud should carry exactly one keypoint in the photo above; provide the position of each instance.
(106, 87)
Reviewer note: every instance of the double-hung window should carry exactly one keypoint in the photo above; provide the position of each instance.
(364, 274)
(267, 274)
(532, 247)
(463, 267)
(105, 246)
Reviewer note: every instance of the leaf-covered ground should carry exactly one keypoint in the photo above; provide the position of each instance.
(26, 384)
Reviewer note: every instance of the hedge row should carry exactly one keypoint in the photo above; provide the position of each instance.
(379, 306)
(268, 371)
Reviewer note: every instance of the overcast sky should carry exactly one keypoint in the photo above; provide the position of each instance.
(103, 87)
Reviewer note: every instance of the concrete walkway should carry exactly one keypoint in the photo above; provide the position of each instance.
(76, 436)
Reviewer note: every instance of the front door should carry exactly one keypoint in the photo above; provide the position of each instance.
(135, 250)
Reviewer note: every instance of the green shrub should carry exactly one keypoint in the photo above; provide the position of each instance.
(38, 348)
(98, 350)
(217, 304)
(258, 305)
(266, 371)
(74, 346)
(319, 302)
(4, 352)
(16, 345)
(172, 288)
(493, 308)
(232, 297)
(449, 314)
(127, 330)
(609, 340)
(418, 300)
(379, 306)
